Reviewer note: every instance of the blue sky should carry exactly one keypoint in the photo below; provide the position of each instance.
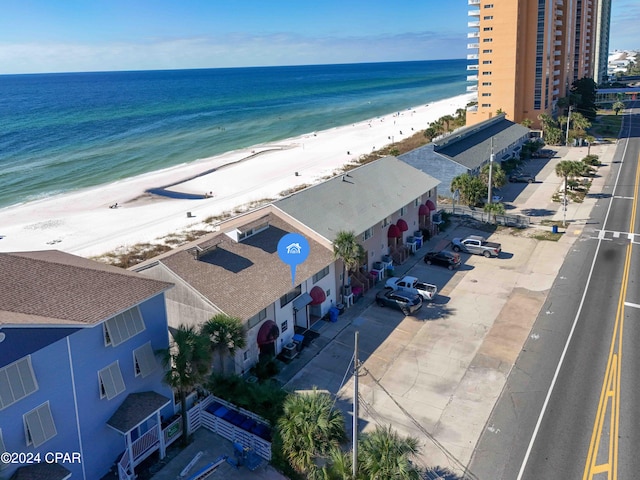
(90, 35)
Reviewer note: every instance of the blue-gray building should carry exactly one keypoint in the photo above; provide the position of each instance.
(78, 374)
(467, 149)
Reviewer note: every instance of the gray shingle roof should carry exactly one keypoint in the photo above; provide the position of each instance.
(358, 200)
(136, 408)
(57, 288)
(242, 278)
(42, 471)
(471, 147)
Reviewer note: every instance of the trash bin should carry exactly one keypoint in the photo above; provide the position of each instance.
(341, 308)
(298, 339)
(390, 271)
(333, 314)
(554, 228)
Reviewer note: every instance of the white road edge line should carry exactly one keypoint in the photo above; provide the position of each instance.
(573, 327)
(629, 304)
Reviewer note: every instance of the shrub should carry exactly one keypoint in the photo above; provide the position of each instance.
(591, 160)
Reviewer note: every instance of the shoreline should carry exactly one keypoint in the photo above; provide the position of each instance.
(82, 223)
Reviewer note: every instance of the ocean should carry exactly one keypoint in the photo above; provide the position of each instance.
(62, 132)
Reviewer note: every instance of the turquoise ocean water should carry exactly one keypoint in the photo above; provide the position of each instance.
(62, 132)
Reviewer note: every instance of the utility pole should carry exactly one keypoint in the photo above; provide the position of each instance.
(566, 142)
(356, 365)
(491, 159)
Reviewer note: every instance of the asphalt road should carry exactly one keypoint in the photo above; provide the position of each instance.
(571, 405)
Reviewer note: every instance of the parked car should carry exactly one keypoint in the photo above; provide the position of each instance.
(412, 285)
(522, 178)
(477, 245)
(445, 258)
(406, 302)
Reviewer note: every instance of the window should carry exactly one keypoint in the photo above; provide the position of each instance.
(252, 231)
(487, 62)
(486, 105)
(489, 5)
(284, 326)
(487, 29)
(16, 382)
(487, 50)
(111, 382)
(486, 84)
(144, 360)
(486, 94)
(487, 40)
(245, 355)
(287, 298)
(368, 233)
(403, 210)
(488, 17)
(38, 425)
(122, 327)
(416, 202)
(256, 319)
(486, 73)
(386, 222)
(321, 274)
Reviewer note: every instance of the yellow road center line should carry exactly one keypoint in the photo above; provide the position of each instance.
(611, 384)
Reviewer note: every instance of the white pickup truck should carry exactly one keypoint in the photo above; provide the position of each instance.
(476, 245)
(412, 285)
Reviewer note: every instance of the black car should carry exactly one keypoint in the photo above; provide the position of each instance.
(544, 153)
(522, 178)
(445, 258)
(407, 302)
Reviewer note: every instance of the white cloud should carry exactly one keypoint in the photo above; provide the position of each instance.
(228, 51)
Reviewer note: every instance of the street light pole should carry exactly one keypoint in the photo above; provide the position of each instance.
(491, 159)
(566, 142)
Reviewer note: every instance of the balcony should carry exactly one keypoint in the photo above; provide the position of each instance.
(557, 43)
(472, 88)
(556, 73)
(472, 78)
(473, 24)
(473, 45)
(472, 56)
(473, 108)
(473, 35)
(558, 23)
(474, 2)
(557, 53)
(559, 3)
(472, 67)
(474, 13)
(556, 91)
(556, 62)
(558, 33)
(556, 82)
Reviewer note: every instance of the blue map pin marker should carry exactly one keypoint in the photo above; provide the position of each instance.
(293, 249)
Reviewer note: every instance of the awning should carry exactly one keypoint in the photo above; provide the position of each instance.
(135, 409)
(42, 471)
(402, 225)
(423, 209)
(430, 205)
(394, 232)
(268, 332)
(318, 296)
(302, 301)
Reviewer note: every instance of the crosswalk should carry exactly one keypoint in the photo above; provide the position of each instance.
(613, 235)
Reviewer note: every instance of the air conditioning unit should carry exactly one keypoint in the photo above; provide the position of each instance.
(290, 350)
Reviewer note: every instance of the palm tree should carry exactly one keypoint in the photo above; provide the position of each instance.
(309, 428)
(385, 455)
(590, 139)
(226, 335)
(580, 122)
(471, 188)
(494, 209)
(447, 120)
(527, 122)
(347, 249)
(566, 169)
(498, 176)
(617, 106)
(187, 362)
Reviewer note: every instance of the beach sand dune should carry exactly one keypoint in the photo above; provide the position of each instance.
(84, 224)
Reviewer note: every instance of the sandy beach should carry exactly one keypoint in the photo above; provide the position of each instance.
(83, 223)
